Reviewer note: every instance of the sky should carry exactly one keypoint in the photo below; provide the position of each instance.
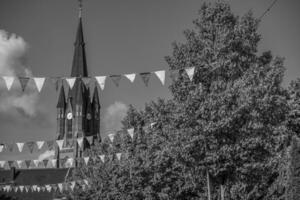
(121, 37)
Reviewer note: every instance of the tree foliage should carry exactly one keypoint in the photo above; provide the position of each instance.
(234, 120)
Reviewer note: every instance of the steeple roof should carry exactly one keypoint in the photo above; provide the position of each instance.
(79, 66)
(61, 99)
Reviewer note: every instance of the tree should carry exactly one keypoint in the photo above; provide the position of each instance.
(230, 121)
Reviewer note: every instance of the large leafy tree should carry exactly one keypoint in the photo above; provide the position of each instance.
(229, 122)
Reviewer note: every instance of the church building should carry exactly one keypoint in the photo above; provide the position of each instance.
(78, 115)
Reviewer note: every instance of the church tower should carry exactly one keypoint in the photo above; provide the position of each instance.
(79, 115)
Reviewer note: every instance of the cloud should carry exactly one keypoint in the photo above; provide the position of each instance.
(46, 155)
(114, 115)
(12, 63)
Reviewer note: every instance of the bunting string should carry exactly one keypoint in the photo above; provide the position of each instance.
(100, 80)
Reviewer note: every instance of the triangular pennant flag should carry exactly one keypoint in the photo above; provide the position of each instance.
(86, 181)
(19, 162)
(102, 157)
(80, 141)
(48, 188)
(53, 162)
(45, 162)
(86, 160)
(86, 81)
(60, 186)
(27, 163)
(145, 77)
(20, 146)
(161, 76)
(101, 81)
(50, 144)
(111, 137)
(34, 187)
(119, 156)
(131, 132)
(36, 162)
(38, 188)
(1, 147)
(60, 143)
(55, 81)
(40, 144)
(90, 139)
(116, 79)
(8, 81)
(131, 77)
(10, 147)
(30, 146)
(27, 188)
(190, 72)
(21, 188)
(2, 163)
(23, 82)
(69, 162)
(16, 188)
(10, 163)
(73, 183)
(174, 74)
(43, 188)
(39, 82)
(71, 82)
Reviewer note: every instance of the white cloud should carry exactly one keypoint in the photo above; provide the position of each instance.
(114, 115)
(12, 56)
(46, 155)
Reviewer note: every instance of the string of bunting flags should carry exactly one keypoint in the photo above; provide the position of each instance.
(145, 76)
(52, 163)
(65, 186)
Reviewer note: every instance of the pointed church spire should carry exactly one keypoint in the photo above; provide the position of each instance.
(79, 66)
(61, 99)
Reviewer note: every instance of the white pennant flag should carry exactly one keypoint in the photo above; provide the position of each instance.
(131, 77)
(38, 188)
(69, 162)
(119, 156)
(131, 132)
(80, 141)
(36, 162)
(60, 186)
(16, 188)
(86, 160)
(1, 147)
(73, 185)
(21, 188)
(101, 81)
(111, 137)
(20, 146)
(34, 187)
(8, 81)
(27, 189)
(86, 181)
(102, 157)
(2, 163)
(39, 82)
(71, 82)
(48, 188)
(190, 72)
(161, 76)
(53, 162)
(19, 162)
(60, 143)
(40, 144)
